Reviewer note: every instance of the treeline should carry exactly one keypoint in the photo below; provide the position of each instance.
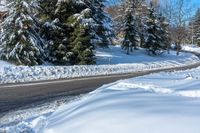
(140, 25)
(143, 27)
(194, 28)
(62, 32)
(184, 25)
(67, 32)
(177, 18)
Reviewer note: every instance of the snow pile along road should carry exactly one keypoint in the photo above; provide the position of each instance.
(157, 103)
(192, 48)
(4, 64)
(16, 74)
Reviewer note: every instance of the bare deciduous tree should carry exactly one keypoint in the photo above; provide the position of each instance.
(178, 13)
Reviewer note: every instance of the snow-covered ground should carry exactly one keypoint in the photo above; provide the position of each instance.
(15, 121)
(192, 48)
(110, 61)
(163, 102)
(5, 64)
(156, 103)
(115, 55)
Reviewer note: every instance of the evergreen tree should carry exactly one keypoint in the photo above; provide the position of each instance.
(20, 41)
(80, 39)
(66, 8)
(153, 43)
(138, 11)
(56, 29)
(164, 33)
(46, 9)
(53, 31)
(134, 26)
(130, 39)
(56, 36)
(102, 28)
(61, 28)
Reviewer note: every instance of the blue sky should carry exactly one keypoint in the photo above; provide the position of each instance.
(195, 4)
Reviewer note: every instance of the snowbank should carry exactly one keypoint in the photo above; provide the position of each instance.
(4, 64)
(111, 61)
(157, 103)
(192, 48)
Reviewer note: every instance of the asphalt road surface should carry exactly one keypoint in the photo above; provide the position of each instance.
(14, 96)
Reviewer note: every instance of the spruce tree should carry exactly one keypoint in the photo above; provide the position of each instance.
(130, 39)
(102, 28)
(134, 31)
(65, 45)
(137, 10)
(56, 37)
(20, 41)
(154, 41)
(56, 30)
(80, 38)
(164, 33)
(46, 9)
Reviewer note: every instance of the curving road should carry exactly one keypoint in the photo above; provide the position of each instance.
(13, 96)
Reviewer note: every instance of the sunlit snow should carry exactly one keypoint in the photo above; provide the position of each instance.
(162, 102)
(110, 61)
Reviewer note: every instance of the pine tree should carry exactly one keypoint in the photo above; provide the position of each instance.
(46, 9)
(56, 36)
(20, 41)
(66, 8)
(80, 39)
(102, 28)
(137, 9)
(164, 33)
(56, 30)
(60, 30)
(154, 41)
(130, 39)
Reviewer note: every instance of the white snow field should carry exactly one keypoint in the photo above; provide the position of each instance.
(110, 61)
(156, 103)
(192, 48)
(4, 64)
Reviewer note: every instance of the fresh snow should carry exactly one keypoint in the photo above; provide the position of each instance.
(4, 64)
(192, 48)
(3, 8)
(110, 61)
(157, 103)
(115, 55)
(42, 108)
